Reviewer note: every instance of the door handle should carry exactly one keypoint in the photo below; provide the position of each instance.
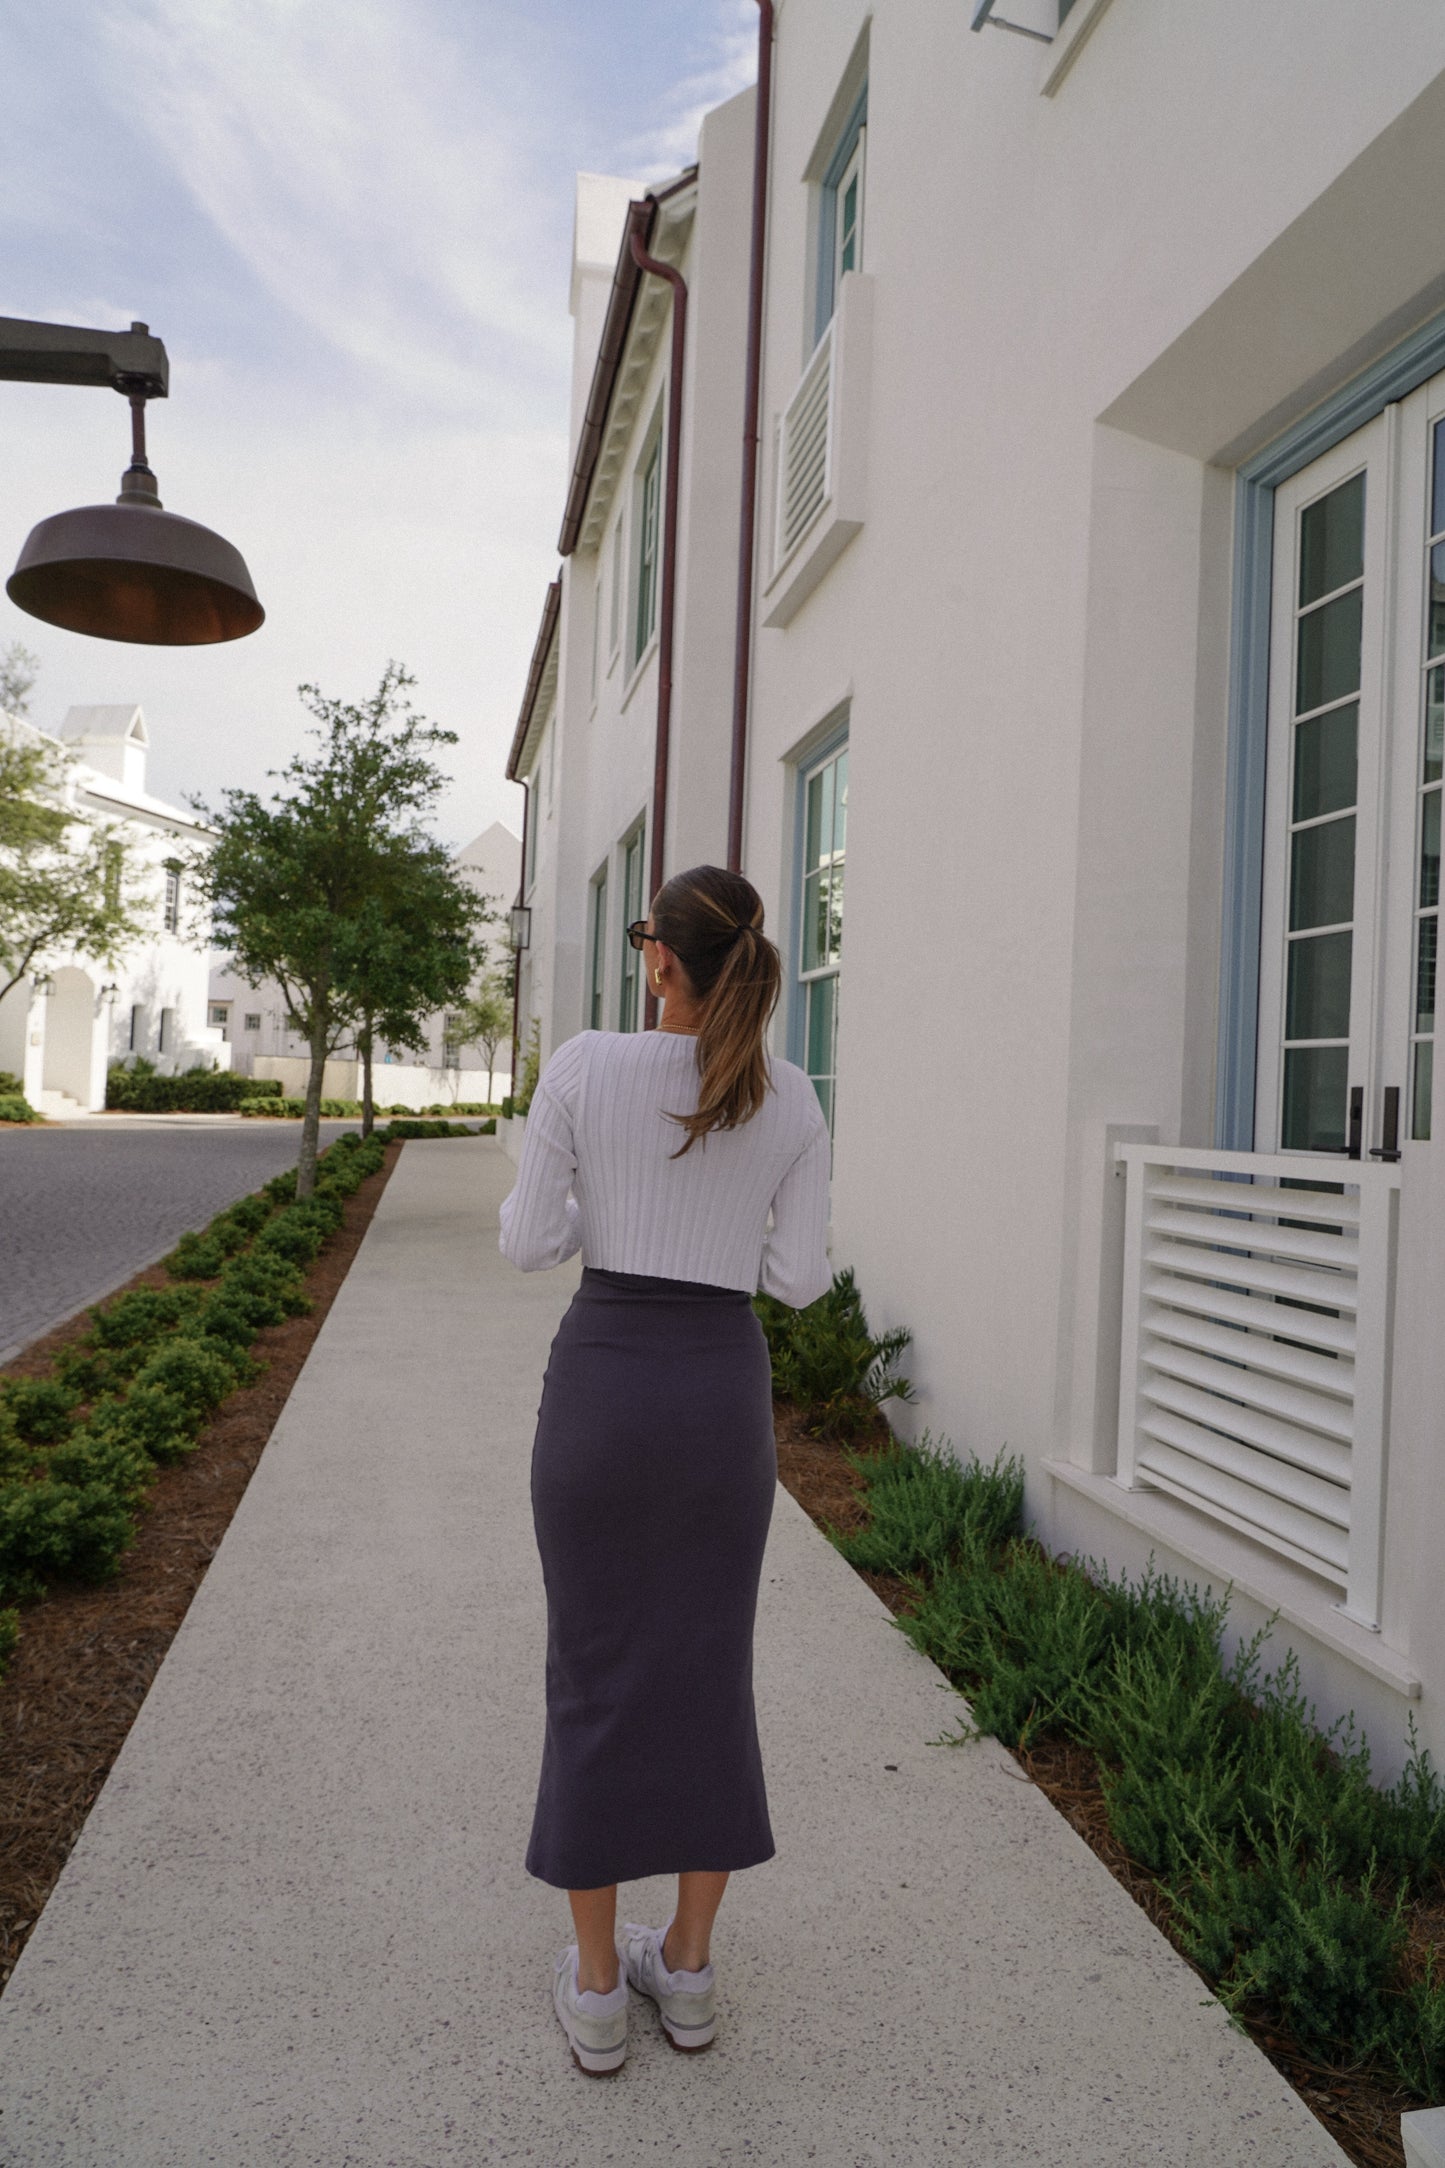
(1357, 1121)
(1389, 1144)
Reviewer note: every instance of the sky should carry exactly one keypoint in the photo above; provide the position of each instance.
(351, 223)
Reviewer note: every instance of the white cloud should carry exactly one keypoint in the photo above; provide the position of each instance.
(367, 178)
(728, 66)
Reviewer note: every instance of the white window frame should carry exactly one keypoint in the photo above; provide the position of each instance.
(832, 750)
(848, 156)
(646, 545)
(597, 950)
(251, 1020)
(632, 988)
(614, 628)
(172, 909)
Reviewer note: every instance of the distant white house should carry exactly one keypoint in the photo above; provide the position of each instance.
(263, 1042)
(60, 1027)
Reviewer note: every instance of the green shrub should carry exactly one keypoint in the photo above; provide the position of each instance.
(508, 1108)
(15, 1107)
(142, 1315)
(531, 1069)
(138, 1090)
(88, 1371)
(150, 1419)
(195, 1372)
(396, 1132)
(341, 1109)
(291, 1234)
(104, 1456)
(11, 1086)
(48, 1527)
(1415, 2047)
(827, 1361)
(195, 1257)
(488, 1128)
(281, 1188)
(9, 1635)
(266, 1287)
(924, 1507)
(40, 1408)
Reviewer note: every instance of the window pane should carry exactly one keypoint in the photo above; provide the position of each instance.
(1329, 652)
(840, 804)
(1430, 851)
(815, 920)
(1325, 762)
(1322, 875)
(1424, 1064)
(1314, 1099)
(848, 221)
(835, 916)
(1332, 541)
(1436, 634)
(1317, 1005)
(1434, 726)
(822, 1015)
(1429, 936)
(1437, 517)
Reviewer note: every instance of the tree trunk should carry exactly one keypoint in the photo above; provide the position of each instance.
(311, 1120)
(489, 1080)
(368, 1109)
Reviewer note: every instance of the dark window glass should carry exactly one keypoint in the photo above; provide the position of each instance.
(1314, 1099)
(1424, 1065)
(1322, 875)
(1325, 762)
(1332, 541)
(1317, 1004)
(1329, 652)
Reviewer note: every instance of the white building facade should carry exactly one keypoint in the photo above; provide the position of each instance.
(1094, 748)
(61, 1027)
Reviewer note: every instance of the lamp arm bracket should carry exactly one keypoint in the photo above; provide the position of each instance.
(131, 362)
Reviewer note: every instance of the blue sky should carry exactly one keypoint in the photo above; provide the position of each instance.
(350, 221)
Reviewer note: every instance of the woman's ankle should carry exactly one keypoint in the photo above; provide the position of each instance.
(598, 1978)
(679, 1958)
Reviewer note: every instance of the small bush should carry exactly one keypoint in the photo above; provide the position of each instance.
(267, 1288)
(925, 1508)
(195, 1372)
(9, 1635)
(281, 1188)
(11, 1086)
(195, 1257)
(827, 1361)
(341, 1109)
(150, 1419)
(142, 1315)
(40, 1408)
(15, 1107)
(47, 1527)
(103, 1456)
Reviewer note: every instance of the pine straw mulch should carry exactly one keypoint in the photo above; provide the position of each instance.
(87, 1654)
(1360, 2113)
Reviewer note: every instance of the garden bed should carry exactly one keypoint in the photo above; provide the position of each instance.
(87, 1654)
(1358, 2105)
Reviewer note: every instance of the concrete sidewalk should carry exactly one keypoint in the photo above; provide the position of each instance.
(296, 1932)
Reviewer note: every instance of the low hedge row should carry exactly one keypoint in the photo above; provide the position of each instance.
(15, 1107)
(195, 1091)
(345, 1109)
(1289, 1873)
(79, 1449)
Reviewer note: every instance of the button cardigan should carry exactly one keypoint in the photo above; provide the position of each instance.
(746, 1207)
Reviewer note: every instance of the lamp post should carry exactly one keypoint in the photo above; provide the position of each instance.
(129, 570)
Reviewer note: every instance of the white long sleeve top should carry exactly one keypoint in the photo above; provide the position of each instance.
(746, 1207)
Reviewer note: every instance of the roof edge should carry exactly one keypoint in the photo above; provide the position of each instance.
(546, 633)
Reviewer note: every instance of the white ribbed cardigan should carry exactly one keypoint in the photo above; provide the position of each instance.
(596, 1173)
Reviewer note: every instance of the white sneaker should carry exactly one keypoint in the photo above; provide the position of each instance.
(687, 2001)
(595, 2025)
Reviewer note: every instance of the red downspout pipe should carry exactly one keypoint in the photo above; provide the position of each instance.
(517, 953)
(747, 527)
(667, 603)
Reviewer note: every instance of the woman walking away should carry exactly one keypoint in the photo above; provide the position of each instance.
(690, 1170)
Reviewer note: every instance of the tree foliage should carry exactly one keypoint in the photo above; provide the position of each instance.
(486, 1020)
(60, 894)
(321, 887)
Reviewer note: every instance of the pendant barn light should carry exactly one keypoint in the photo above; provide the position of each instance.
(129, 570)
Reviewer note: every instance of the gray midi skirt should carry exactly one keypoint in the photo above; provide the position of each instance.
(653, 1476)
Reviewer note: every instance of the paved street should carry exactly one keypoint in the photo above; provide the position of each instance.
(85, 1204)
(296, 1931)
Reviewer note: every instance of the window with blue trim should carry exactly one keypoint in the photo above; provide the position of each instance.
(840, 221)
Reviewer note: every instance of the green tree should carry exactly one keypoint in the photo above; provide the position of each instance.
(486, 1020)
(18, 671)
(288, 881)
(60, 894)
(413, 948)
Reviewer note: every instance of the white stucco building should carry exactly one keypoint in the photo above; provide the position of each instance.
(254, 1022)
(1097, 631)
(63, 1025)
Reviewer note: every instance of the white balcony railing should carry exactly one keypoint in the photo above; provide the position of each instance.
(1255, 1350)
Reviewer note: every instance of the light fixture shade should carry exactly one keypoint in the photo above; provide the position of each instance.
(135, 572)
(521, 926)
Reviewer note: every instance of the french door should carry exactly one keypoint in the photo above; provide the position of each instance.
(1353, 787)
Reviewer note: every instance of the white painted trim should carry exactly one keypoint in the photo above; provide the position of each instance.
(1077, 26)
(1234, 1560)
